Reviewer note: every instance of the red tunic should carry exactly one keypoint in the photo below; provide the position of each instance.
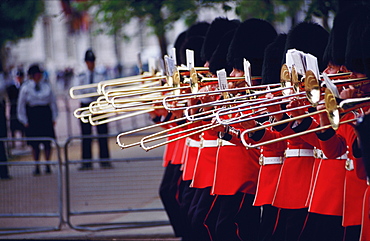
(178, 151)
(295, 177)
(365, 229)
(190, 156)
(189, 162)
(269, 174)
(328, 189)
(236, 170)
(354, 187)
(205, 164)
(169, 149)
(326, 195)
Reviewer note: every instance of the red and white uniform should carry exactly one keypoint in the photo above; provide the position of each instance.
(236, 169)
(190, 155)
(271, 160)
(294, 183)
(354, 187)
(327, 191)
(206, 160)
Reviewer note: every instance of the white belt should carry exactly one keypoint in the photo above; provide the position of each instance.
(349, 165)
(271, 160)
(192, 143)
(298, 152)
(215, 143)
(320, 154)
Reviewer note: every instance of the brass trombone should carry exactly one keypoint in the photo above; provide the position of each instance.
(94, 89)
(333, 108)
(193, 131)
(105, 112)
(121, 135)
(254, 91)
(288, 78)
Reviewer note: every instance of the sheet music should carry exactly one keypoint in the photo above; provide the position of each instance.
(190, 58)
(170, 65)
(222, 80)
(174, 55)
(247, 72)
(330, 85)
(311, 63)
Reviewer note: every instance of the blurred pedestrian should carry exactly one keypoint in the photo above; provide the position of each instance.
(4, 173)
(89, 76)
(37, 110)
(13, 92)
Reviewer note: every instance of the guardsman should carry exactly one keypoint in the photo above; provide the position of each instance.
(296, 172)
(236, 173)
(171, 185)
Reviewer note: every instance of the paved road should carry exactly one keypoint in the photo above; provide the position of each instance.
(128, 185)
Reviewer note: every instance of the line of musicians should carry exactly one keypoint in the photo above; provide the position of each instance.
(310, 187)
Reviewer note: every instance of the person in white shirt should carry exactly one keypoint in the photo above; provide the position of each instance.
(89, 76)
(37, 111)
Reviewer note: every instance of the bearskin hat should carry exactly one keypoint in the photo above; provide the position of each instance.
(216, 30)
(354, 51)
(274, 54)
(197, 29)
(218, 60)
(194, 43)
(249, 42)
(177, 45)
(310, 38)
(366, 50)
(336, 47)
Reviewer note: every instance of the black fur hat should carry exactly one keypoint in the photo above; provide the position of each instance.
(274, 53)
(354, 51)
(249, 42)
(218, 60)
(365, 41)
(193, 43)
(216, 30)
(310, 38)
(177, 45)
(197, 29)
(336, 47)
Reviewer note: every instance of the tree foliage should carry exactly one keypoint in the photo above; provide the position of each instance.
(321, 9)
(17, 21)
(18, 18)
(270, 10)
(159, 15)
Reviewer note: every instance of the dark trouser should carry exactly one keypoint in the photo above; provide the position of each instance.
(168, 192)
(290, 224)
(204, 212)
(322, 227)
(238, 219)
(268, 222)
(86, 129)
(186, 199)
(3, 134)
(352, 233)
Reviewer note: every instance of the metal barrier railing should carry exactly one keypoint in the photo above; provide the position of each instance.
(31, 200)
(116, 192)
